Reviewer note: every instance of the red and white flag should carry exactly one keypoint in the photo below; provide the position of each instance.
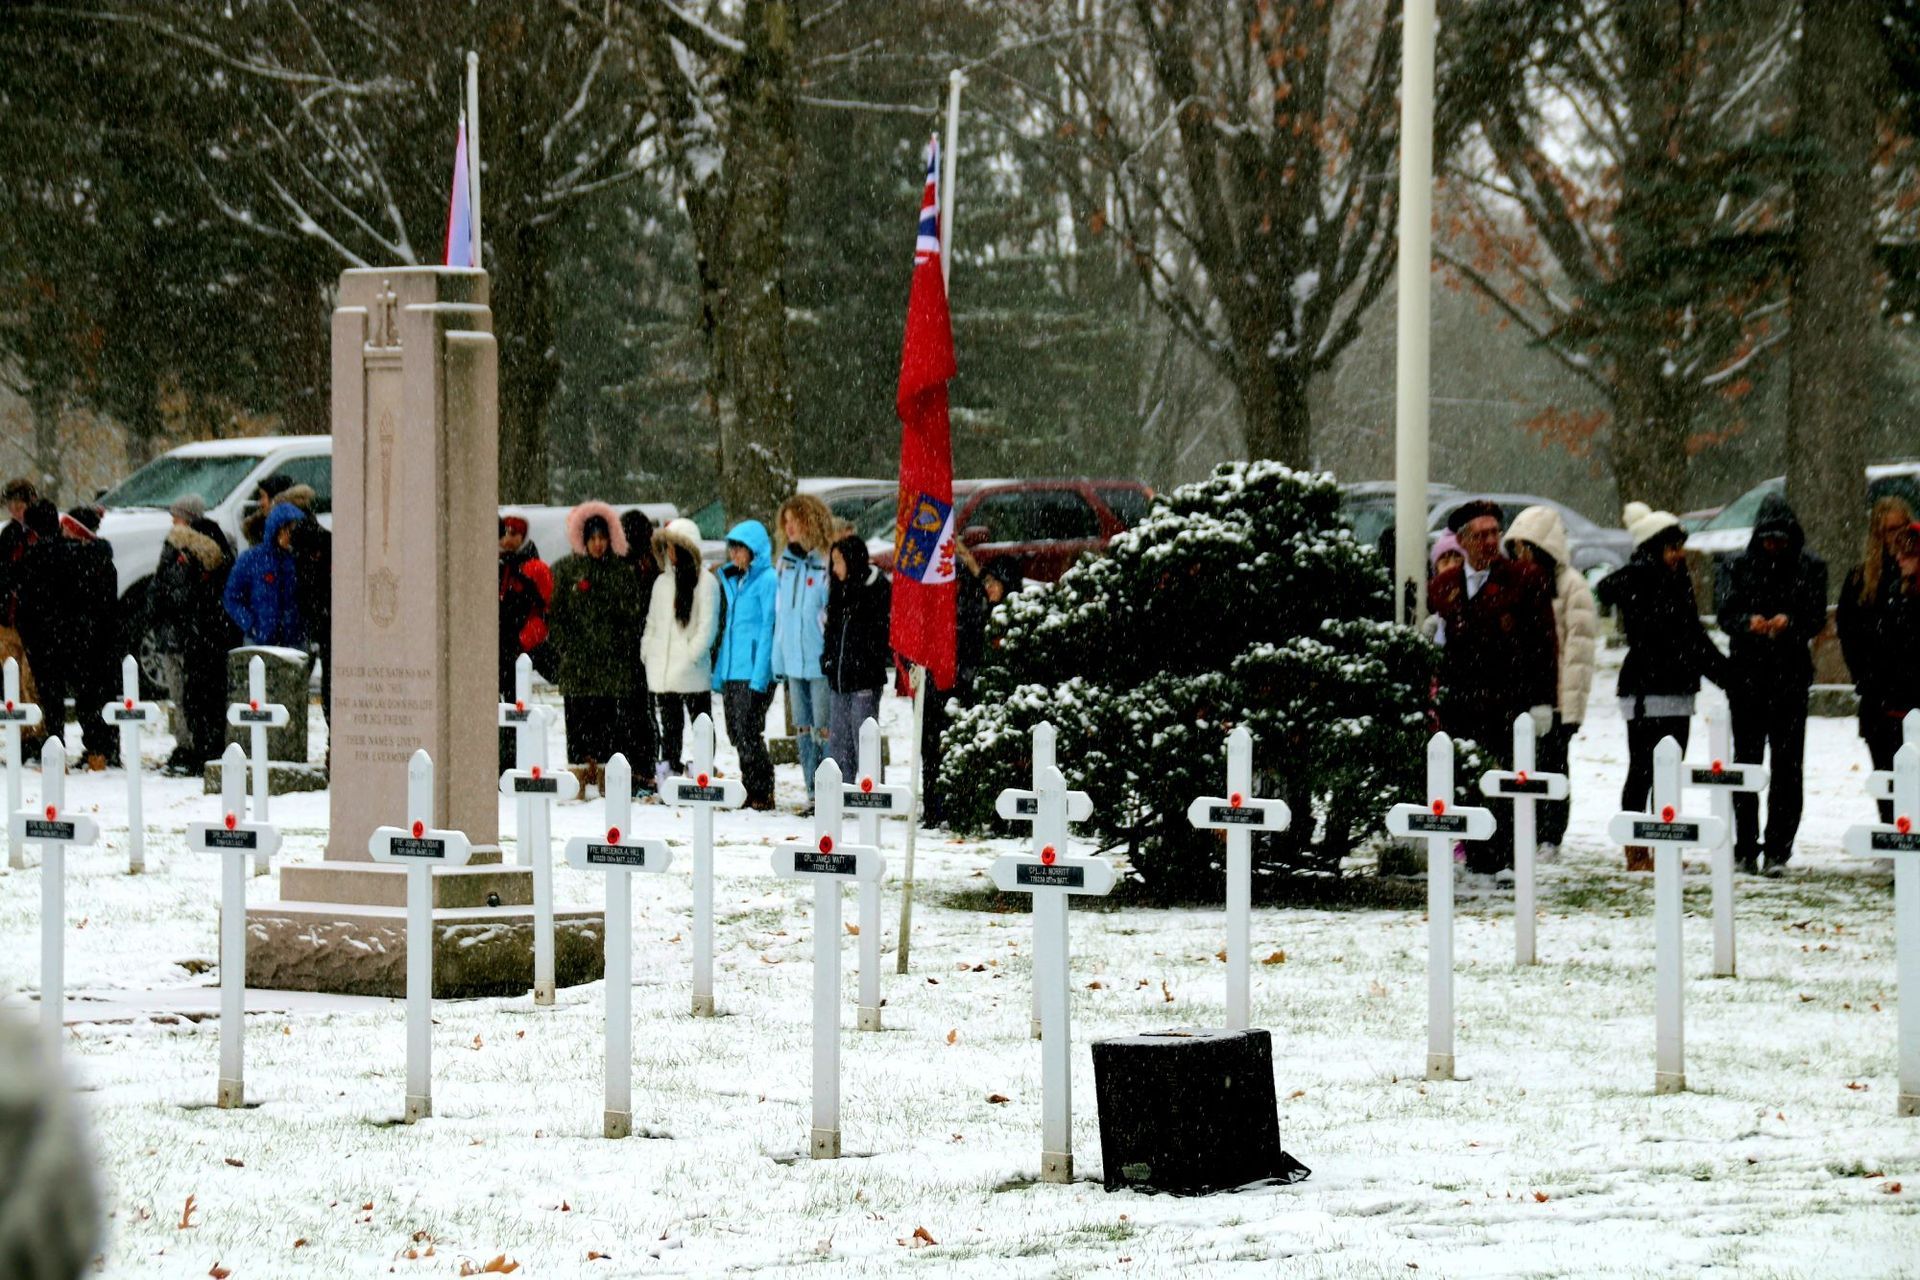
(922, 628)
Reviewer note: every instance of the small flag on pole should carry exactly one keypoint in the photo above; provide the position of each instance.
(923, 583)
(460, 208)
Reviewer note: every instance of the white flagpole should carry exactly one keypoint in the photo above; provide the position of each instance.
(956, 79)
(1410, 458)
(473, 149)
(917, 677)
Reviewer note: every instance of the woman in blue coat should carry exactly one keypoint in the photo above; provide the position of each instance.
(743, 654)
(260, 597)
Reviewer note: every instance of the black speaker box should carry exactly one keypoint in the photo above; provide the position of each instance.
(1189, 1111)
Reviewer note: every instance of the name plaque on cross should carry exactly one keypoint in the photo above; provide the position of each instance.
(46, 829)
(1040, 876)
(12, 714)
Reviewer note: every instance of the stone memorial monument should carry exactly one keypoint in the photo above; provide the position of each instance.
(415, 616)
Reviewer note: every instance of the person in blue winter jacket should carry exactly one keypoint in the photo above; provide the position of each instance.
(743, 654)
(800, 626)
(260, 597)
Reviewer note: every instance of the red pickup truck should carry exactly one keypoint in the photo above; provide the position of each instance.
(1041, 525)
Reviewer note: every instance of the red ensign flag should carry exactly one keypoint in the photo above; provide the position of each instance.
(923, 582)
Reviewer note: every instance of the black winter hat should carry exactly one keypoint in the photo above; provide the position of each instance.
(1472, 510)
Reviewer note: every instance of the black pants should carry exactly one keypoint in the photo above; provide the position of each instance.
(933, 723)
(89, 693)
(1492, 729)
(747, 727)
(1882, 733)
(1643, 735)
(642, 745)
(675, 711)
(1551, 754)
(203, 702)
(594, 728)
(1769, 720)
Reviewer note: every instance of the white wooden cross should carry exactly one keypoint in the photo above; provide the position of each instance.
(132, 715)
(619, 853)
(1052, 876)
(233, 837)
(1441, 822)
(829, 864)
(514, 715)
(419, 847)
(55, 829)
(1239, 814)
(15, 715)
(1880, 781)
(1901, 840)
(871, 800)
(703, 792)
(1525, 786)
(1720, 777)
(537, 787)
(258, 715)
(1023, 805)
(1668, 831)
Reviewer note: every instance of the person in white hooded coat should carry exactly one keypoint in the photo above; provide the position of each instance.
(677, 645)
(1538, 534)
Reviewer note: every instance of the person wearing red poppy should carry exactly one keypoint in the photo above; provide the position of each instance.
(595, 612)
(261, 595)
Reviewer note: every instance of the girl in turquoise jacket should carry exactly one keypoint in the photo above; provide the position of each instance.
(743, 654)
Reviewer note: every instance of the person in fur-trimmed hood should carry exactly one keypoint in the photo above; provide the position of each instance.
(192, 631)
(1539, 536)
(596, 610)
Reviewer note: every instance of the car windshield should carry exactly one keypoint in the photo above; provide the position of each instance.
(1743, 510)
(165, 481)
(879, 519)
(1369, 518)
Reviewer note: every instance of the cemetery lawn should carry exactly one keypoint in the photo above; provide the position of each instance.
(1552, 1158)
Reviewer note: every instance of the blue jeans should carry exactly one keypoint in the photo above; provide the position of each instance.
(850, 711)
(807, 700)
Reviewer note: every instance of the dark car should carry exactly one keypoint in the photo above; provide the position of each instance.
(1042, 526)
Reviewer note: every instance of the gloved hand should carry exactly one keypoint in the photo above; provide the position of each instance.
(1542, 719)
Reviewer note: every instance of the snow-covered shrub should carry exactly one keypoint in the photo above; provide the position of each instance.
(1242, 599)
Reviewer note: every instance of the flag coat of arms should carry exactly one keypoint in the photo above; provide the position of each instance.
(924, 541)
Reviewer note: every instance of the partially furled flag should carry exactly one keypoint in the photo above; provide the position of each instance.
(923, 582)
(460, 208)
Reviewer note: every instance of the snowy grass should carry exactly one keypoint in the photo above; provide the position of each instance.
(1552, 1156)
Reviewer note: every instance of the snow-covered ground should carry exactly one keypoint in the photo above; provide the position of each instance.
(1551, 1157)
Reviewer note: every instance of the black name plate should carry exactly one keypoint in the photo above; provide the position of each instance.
(515, 715)
(536, 786)
(707, 795)
(813, 863)
(1244, 815)
(414, 847)
(1444, 824)
(1515, 787)
(1669, 832)
(122, 715)
(1040, 876)
(17, 715)
(218, 838)
(249, 716)
(1722, 778)
(41, 829)
(1895, 842)
(867, 800)
(615, 855)
(1027, 806)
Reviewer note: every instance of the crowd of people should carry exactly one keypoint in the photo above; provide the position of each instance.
(641, 637)
(1518, 628)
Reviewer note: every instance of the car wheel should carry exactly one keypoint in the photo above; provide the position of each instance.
(137, 638)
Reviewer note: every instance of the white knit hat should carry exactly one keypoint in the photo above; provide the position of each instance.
(1643, 522)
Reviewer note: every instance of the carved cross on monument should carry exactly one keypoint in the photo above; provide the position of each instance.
(386, 321)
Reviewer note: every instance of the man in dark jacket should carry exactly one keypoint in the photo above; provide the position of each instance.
(1501, 656)
(1773, 602)
(191, 627)
(67, 599)
(311, 547)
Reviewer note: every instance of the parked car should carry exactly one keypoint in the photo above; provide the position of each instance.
(1597, 550)
(1728, 533)
(226, 474)
(848, 498)
(1369, 506)
(1041, 525)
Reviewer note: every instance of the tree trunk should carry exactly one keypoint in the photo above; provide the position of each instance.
(1652, 417)
(756, 448)
(1833, 292)
(45, 403)
(522, 296)
(1273, 399)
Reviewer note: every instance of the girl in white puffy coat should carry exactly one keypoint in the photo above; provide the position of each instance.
(677, 646)
(1538, 534)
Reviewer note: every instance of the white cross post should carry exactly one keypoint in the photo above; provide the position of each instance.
(1051, 876)
(1880, 781)
(536, 787)
(871, 800)
(1901, 839)
(55, 829)
(15, 715)
(420, 847)
(1720, 777)
(1440, 821)
(1239, 814)
(131, 714)
(233, 837)
(1668, 831)
(258, 715)
(704, 793)
(618, 854)
(1016, 805)
(1525, 786)
(514, 716)
(829, 865)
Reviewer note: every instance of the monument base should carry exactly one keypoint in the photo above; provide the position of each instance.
(1669, 1082)
(361, 950)
(284, 778)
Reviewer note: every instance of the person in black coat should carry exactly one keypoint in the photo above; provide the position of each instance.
(312, 550)
(856, 653)
(191, 626)
(66, 610)
(643, 727)
(1773, 602)
(1878, 619)
(1668, 650)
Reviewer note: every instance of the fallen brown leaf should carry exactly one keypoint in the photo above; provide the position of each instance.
(186, 1214)
(1540, 1196)
(1297, 1093)
(594, 1255)
(1856, 1086)
(1278, 957)
(301, 1243)
(853, 929)
(1221, 955)
(218, 1272)
(1891, 1188)
(953, 1035)
(998, 1097)
(478, 1043)
(1166, 992)
(238, 1164)
(920, 1239)
(1096, 985)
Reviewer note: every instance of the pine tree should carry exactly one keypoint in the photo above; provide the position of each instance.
(1242, 599)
